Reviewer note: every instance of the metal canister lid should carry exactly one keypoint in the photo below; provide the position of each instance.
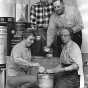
(3, 30)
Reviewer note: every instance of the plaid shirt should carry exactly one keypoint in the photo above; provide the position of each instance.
(71, 18)
(39, 14)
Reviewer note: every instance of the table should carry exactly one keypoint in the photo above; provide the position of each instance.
(45, 80)
(44, 61)
(47, 62)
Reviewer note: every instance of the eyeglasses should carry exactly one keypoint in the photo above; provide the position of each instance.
(56, 7)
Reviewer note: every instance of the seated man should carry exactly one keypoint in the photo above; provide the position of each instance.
(69, 73)
(20, 62)
(67, 16)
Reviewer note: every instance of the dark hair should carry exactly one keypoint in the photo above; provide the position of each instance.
(69, 29)
(28, 32)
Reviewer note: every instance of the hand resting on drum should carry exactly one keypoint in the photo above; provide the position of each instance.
(55, 70)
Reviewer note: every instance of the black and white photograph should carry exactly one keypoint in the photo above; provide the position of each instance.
(43, 44)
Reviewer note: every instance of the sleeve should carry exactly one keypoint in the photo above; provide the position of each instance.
(32, 15)
(16, 57)
(75, 54)
(16, 53)
(51, 31)
(77, 20)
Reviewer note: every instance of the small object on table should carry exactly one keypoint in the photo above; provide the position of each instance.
(49, 51)
(49, 71)
(41, 69)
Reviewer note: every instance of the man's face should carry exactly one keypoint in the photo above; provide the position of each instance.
(30, 40)
(58, 7)
(65, 36)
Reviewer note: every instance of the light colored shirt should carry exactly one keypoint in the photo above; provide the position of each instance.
(21, 51)
(70, 18)
(40, 14)
(72, 53)
(18, 51)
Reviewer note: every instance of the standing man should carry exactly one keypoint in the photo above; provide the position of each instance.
(20, 62)
(39, 18)
(64, 16)
(40, 14)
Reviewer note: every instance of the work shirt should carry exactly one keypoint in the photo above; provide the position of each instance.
(40, 14)
(19, 51)
(71, 53)
(70, 18)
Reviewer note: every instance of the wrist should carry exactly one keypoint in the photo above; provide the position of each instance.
(65, 69)
(46, 49)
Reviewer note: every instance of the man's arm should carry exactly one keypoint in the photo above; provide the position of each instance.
(16, 55)
(51, 32)
(21, 61)
(78, 59)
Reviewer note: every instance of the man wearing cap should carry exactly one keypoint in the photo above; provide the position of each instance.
(67, 16)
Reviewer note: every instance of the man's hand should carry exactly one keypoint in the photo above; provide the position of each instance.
(56, 70)
(49, 71)
(46, 49)
(34, 64)
(49, 52)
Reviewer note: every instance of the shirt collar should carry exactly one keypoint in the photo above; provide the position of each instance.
(69, 44)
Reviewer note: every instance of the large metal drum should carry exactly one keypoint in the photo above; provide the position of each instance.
(3, 44)
(45, 80)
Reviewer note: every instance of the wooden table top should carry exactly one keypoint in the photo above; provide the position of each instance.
(47, 62)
